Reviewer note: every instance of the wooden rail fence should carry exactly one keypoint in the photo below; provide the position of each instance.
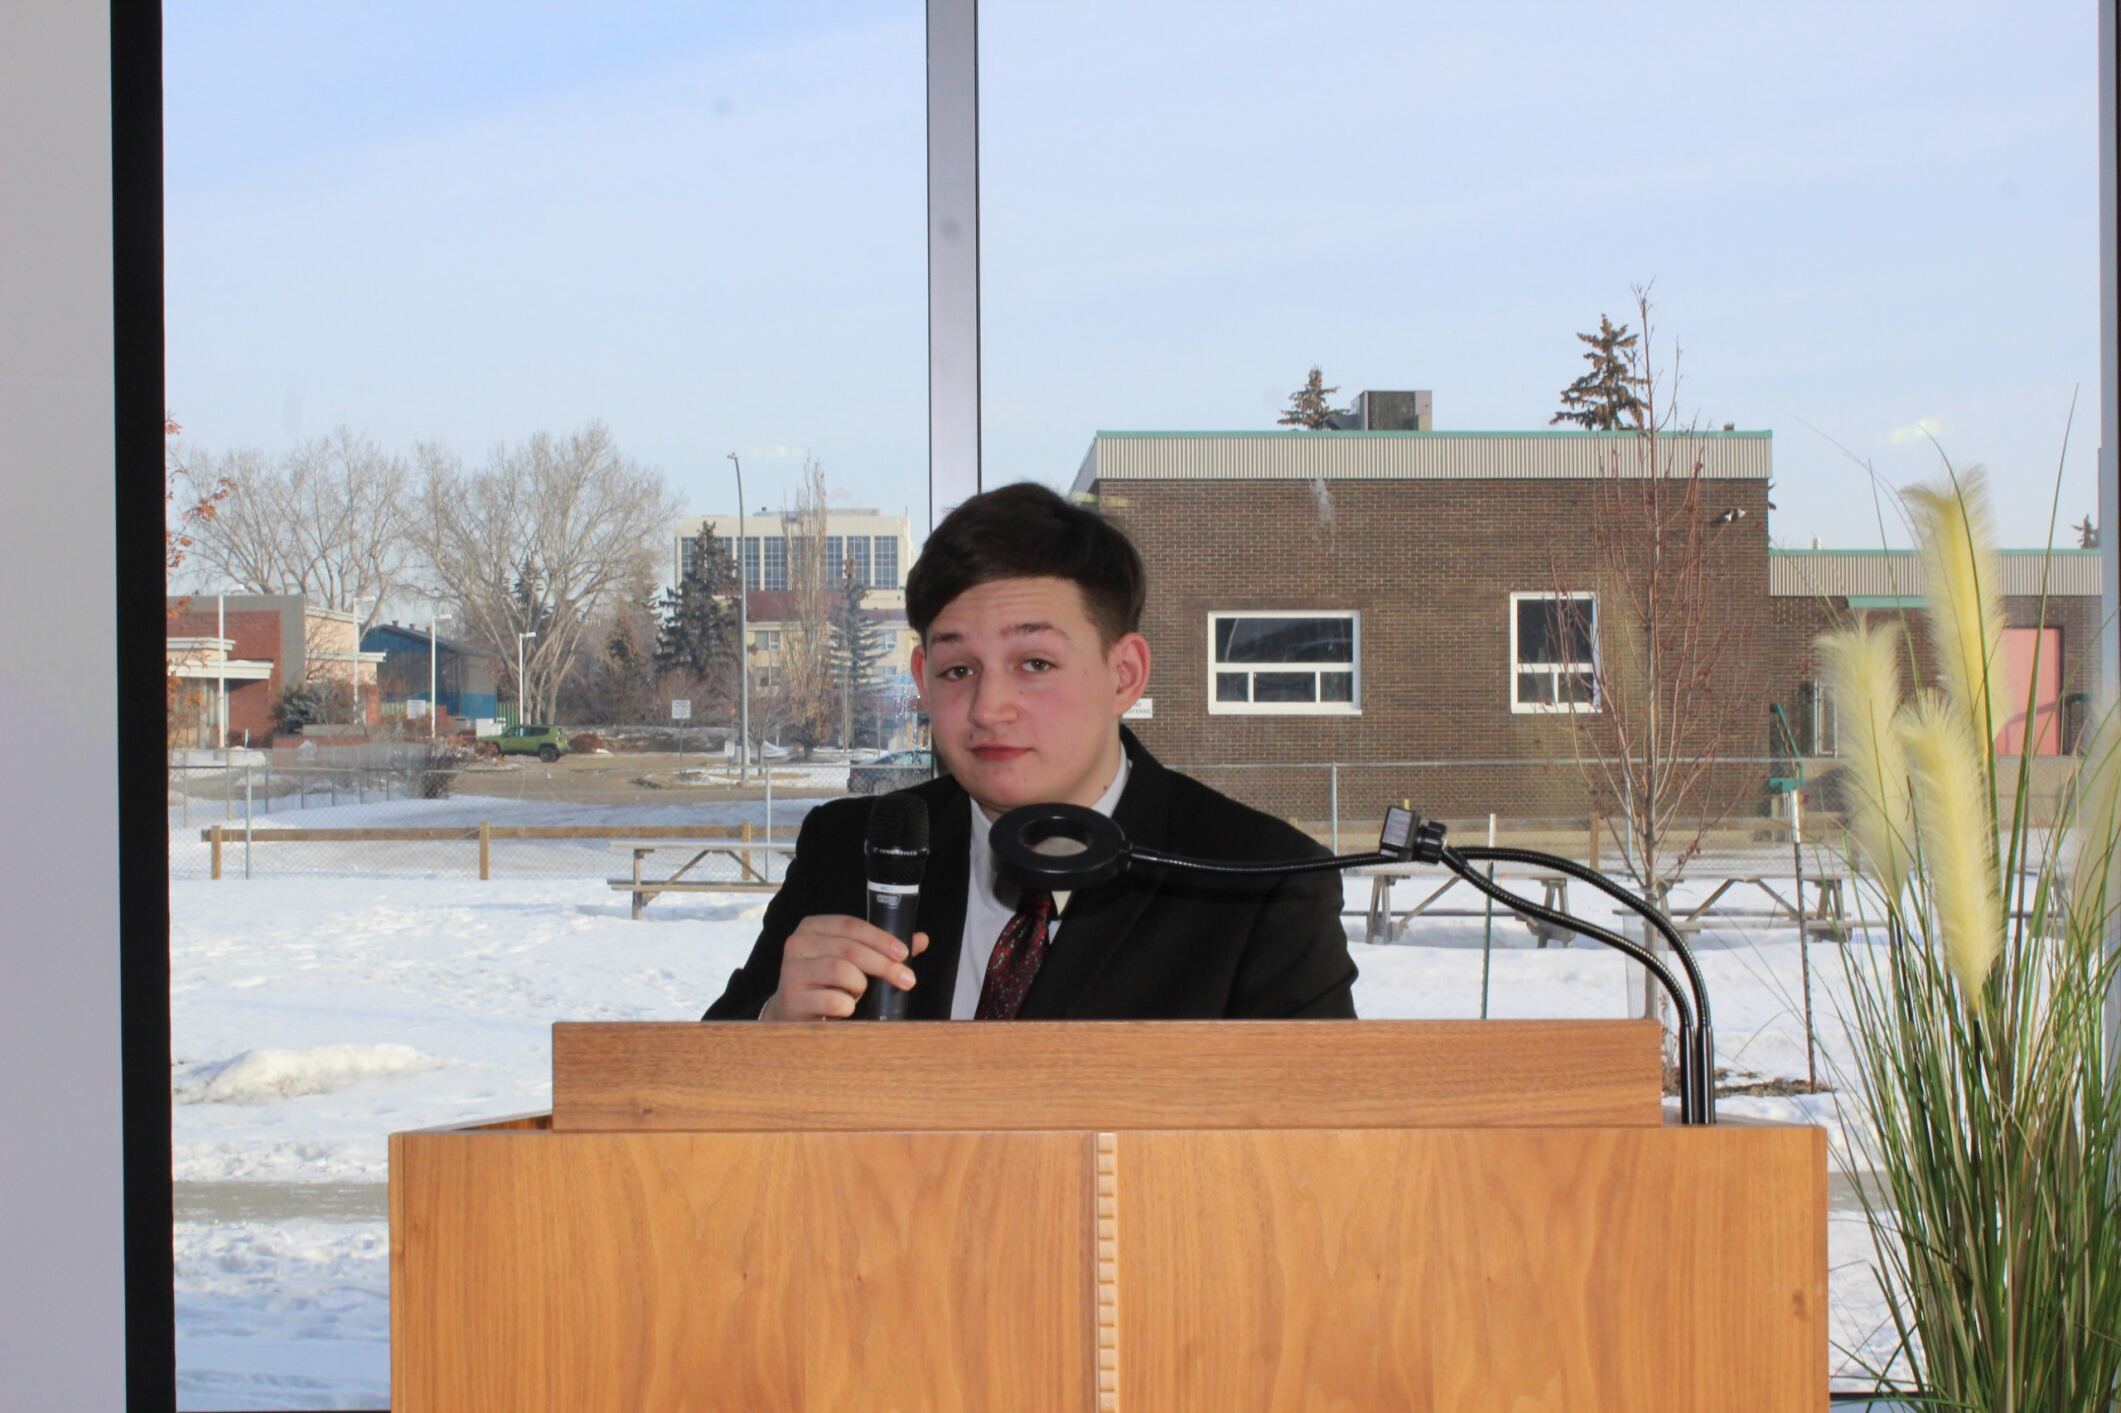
(217, 837)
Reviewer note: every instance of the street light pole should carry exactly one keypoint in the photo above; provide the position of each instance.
(221, 687)
(360, 707)
(521, 638)
(435, 621)
(743, 635)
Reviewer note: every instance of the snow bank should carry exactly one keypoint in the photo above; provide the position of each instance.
(263, 1076)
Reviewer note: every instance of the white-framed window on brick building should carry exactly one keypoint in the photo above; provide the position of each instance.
(1553, 652)
(1298, 662)
(1823, 733)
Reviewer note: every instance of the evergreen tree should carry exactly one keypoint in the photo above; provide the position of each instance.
(1309, 407)
(1607, 397)
(299, 703)
(858, 645)
(698, 632)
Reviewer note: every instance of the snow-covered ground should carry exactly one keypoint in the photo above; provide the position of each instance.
(314, 1015)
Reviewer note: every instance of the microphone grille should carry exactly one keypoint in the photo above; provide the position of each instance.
(898, 823)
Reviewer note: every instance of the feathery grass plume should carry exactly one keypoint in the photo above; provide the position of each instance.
(1964, 586)
(1952, 819)
(1863, 678)
(2095, 873)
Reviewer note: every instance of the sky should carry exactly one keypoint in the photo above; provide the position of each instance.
(1870, 229)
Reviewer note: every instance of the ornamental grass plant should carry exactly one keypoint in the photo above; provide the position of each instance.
(1985, 1086)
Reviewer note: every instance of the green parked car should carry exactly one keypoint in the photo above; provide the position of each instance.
(547, 743)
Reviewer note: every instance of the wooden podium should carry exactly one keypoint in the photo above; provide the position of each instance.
(1087, 1216)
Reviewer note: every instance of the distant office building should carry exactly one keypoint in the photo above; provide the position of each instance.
(772, 611)
(876, 548)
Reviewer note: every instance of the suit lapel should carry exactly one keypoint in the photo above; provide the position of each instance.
(1099, 919)
(941, 913)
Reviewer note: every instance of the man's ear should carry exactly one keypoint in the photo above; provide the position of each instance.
(1129, 661)
(920, 677)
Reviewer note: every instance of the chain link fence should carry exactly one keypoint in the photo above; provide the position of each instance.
(403, 810)
(406, 810)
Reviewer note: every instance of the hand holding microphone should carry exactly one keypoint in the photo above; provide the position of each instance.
(833, 966)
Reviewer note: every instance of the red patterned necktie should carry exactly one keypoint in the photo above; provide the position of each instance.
(1017, 953)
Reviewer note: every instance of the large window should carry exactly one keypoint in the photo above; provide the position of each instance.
(848, 555)
(1283, 663)
(509, 254)
(1553, 652)
(513, 296)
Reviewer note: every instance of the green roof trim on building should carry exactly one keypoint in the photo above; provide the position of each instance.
(1289, 454)
(1893, 578)
(1442, 435)
(2058, 552)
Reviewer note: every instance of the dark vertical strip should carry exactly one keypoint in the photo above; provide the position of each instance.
(143, 819)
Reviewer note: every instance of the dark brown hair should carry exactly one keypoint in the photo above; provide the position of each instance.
(1025, 531)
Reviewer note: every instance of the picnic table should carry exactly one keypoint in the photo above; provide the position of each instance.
(1380, 926)
(1827, 918)
(741, 852)
(1824, 914)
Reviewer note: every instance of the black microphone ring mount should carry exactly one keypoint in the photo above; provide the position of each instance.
(1059, 848)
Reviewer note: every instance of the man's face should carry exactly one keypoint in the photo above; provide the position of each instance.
(1024, 699)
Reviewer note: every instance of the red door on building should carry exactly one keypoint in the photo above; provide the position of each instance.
(2018, 674)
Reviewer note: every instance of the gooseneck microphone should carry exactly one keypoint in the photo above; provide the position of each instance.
(1065, 847)
(897, 854)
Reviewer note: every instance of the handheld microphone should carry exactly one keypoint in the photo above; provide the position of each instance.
(897, 855)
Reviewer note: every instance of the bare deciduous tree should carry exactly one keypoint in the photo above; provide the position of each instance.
(330, 520)
(544, 535)
(1672, 676)
(809, 686)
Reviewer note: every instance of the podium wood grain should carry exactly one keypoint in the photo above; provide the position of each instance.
(1121, 1217)
(633, 1272)
(1630, 1270)
(1104, 1075)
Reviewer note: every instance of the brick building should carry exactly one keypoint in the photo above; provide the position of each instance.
(231, 655)
(1418, 606)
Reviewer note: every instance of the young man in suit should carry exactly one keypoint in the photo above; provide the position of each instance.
(1029, 613)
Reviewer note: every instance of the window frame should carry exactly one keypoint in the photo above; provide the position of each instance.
(1311, 708)
(1518, 668)
(1825, 723)
(139, 860)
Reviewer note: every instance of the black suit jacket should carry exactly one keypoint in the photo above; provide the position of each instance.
(1149, 945)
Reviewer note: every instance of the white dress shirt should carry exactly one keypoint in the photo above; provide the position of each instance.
(990, 901)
